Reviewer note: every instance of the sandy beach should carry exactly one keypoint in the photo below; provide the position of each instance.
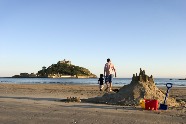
(45, 104)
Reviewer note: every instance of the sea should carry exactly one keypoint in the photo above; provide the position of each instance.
(87, 81)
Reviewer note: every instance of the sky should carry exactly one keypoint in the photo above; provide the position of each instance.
(134, 34)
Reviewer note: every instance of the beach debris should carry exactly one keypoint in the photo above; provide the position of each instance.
(142, 86)
(115, 90)
(73, 99)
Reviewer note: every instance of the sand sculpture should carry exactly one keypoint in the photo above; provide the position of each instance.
(141, 87)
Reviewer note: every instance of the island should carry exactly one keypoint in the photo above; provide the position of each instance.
(63, 69)
(182, 79)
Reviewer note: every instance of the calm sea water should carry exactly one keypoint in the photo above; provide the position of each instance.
(89, 81)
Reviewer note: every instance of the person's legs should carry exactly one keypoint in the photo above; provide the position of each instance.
(110, 82)
(110, 86)
(107, 82)
(101, 87)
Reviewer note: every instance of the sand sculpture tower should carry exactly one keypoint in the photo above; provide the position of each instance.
(142, 77)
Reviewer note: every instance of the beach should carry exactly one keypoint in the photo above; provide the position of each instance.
(46, 104)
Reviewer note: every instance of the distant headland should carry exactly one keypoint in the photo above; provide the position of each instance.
(63, 69)
(182, 79)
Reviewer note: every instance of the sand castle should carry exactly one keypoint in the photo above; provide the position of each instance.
(141, 87)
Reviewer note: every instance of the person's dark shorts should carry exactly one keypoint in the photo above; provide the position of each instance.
(109, 78)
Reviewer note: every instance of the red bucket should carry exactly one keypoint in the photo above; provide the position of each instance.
(151, 104)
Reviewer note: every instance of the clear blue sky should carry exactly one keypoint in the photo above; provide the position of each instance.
(147, 34)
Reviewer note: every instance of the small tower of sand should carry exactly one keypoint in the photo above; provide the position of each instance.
(141, 87)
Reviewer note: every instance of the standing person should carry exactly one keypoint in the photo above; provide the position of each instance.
(100, 82)
(109, 70)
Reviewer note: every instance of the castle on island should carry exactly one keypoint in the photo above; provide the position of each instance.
(66, 62)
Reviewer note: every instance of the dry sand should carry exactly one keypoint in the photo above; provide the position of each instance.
(44, 104)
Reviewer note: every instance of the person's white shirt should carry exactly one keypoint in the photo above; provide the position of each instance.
(109, 69)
